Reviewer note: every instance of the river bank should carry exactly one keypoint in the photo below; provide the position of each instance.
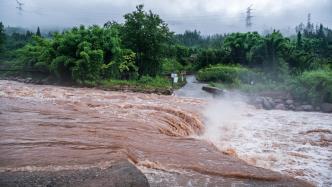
(284, 101)
(112, 85)
(264, 100)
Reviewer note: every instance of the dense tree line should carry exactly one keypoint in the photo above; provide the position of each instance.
(255, 50)
(117, 51)
(2, 36)
(301, 64)
(196, 40)
(12, 38)
(144, 46)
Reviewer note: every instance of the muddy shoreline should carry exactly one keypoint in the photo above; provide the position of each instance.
(264, 100)
(120, 88)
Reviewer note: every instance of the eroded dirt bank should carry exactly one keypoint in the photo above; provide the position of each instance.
(48, 128)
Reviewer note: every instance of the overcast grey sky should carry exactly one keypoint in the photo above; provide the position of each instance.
(208, 16)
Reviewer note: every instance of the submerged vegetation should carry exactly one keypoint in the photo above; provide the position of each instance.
(143, 52)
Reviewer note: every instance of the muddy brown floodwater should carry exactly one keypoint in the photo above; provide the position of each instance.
(51, 128)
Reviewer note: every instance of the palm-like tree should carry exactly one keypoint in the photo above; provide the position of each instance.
(271, 53)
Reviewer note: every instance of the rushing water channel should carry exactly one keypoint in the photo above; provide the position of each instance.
(189, 139)
(298, 144)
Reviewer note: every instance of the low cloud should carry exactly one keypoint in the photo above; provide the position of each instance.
(213, 16)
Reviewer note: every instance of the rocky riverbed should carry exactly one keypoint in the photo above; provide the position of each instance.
(271, 100)
(286, 102)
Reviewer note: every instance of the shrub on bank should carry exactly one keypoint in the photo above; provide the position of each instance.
(313, 86)
(226, 74)
(143, 82)
(170, 66)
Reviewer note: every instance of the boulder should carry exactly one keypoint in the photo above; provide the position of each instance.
(289, 101)
(257, 101)
(291, 107)
(122, 174)
(259, 106)
(299, 108)
(326, 107)
(28, 80)
(213, 90)
(278, 101)
(268, 103)
(280, 107)
(307, 107)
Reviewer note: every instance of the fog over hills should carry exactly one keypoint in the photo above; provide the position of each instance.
(214, 16)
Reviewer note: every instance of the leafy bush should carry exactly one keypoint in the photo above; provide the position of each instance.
(81, 54)
(313, 86)
(121, 67)
(267, 85)
(157, 81)
(212, 56)
(36, 55)
(226, 74)
(145, 82)
(146, 34)
(170, 66)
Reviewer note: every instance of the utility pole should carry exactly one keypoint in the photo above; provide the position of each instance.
(309, 19)
(309, 22)
(310, 26)
(249, 17)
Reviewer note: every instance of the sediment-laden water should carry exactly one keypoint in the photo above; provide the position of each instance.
(298, 144)
(48, 128)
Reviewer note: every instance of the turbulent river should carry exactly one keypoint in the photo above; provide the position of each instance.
(189, 139)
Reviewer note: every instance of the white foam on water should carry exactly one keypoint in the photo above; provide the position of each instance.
(276, 140)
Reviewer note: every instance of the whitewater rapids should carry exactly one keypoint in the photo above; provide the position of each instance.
(297, 144)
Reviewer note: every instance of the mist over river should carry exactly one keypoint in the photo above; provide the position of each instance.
(189, 139)
(294, 143)
(298, 144)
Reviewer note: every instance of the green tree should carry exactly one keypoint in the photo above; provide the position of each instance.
(271, 50)
(2, 36)
(80, 54)
(299, 40)
(37, 54)
(190, 38)
(38, 32)
(127, 66)
(242, 46)
(212, 56)
(145, 33)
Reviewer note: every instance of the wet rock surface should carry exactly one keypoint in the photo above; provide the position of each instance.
(277, 103)
(122, 174)
(326, 107)
(213, 90)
